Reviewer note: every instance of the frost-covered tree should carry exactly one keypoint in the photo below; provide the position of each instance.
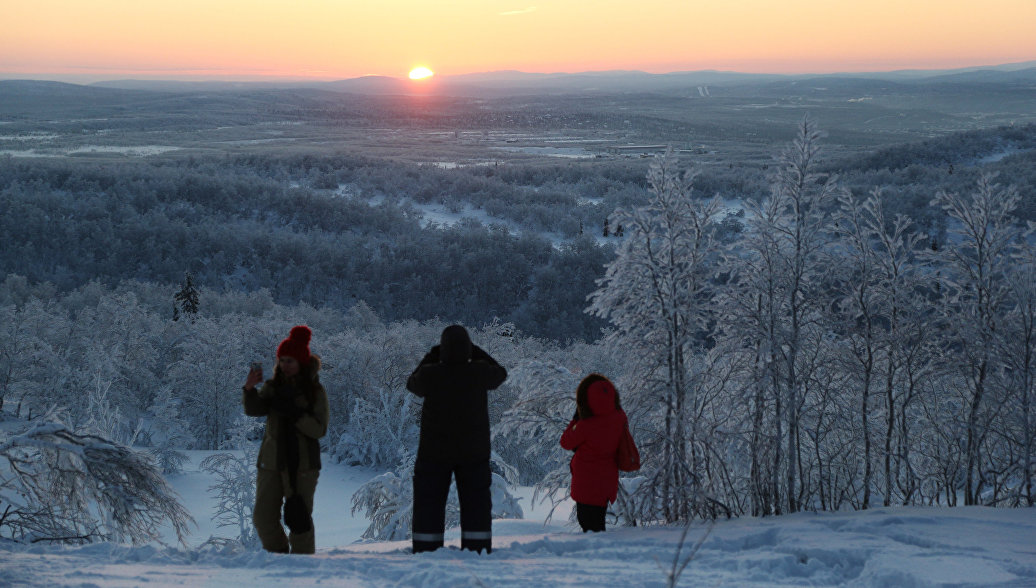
(36, 376)
(775, 304)
(978, 258)
(880, 282)
(543, 408)
(859, 315)
(205, 376)
(60, 485)
(1017, 344)
(168, 435)
(656, 294)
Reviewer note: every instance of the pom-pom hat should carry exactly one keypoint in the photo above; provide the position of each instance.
(297, 344)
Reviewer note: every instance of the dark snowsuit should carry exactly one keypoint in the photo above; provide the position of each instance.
(454, 378)
(595, 440)
(290, 449)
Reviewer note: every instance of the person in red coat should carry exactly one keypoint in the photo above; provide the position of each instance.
(594, 435)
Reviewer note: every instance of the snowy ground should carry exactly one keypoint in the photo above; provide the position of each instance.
(909, 547)
(131, 151)
(439, 214)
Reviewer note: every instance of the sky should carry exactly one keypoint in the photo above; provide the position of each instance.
(92, 40)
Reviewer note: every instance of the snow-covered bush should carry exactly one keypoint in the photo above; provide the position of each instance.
(505, 505)
(388, 502)
(63, 486)
(235, 492)
(378, 431)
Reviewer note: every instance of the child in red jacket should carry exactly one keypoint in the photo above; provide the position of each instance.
(594, 435)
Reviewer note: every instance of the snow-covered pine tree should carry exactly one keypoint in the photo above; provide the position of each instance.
(186, 299)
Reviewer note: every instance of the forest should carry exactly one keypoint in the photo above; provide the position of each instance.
(802, 334)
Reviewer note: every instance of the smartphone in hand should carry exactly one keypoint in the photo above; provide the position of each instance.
(257, 368)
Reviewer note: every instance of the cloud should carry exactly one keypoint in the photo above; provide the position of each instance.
(517, 12)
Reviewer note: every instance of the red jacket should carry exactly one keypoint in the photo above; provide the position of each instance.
(595, 475)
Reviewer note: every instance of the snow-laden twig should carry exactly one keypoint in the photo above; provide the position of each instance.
(675, 570)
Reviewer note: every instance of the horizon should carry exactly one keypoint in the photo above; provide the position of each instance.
(313, 40)
(89, 79)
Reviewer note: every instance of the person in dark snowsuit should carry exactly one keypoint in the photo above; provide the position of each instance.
(593, 434)
(454, 378)
(296, 410)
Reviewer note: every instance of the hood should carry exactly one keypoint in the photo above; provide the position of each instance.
(601, 397)
(454, 345)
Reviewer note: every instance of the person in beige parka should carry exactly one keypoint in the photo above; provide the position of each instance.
(296, 410)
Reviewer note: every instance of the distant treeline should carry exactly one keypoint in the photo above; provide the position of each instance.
(236, 226)
(336, 229)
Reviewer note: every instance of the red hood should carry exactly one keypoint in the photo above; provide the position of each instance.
(601, 397)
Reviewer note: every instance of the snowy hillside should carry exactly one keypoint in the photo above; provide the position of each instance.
(908, 546)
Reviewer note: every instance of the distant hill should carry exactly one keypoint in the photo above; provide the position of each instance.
(37, 90)
(30, 97)
(1020, 76)
(509, 82)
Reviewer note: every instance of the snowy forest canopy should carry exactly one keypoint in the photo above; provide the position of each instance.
(526, 247)
(831, 343)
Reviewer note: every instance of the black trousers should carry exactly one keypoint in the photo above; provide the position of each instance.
(590, 517)
(432, 488)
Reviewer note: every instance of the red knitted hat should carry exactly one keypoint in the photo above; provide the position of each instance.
(297, 344)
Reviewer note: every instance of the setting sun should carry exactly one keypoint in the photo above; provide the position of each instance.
(420, 73)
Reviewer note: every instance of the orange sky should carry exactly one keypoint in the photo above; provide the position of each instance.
(334, 39)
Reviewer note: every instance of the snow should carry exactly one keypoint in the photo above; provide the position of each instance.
(457, 164)
(565, 152)
(899, 546)
(130, 151)
(997, 156)
(136, 151)
(30, 136)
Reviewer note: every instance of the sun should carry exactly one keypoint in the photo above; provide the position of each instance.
(420, 73)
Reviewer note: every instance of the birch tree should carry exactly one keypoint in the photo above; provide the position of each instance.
(775, 304)
(881, 313)
(978, 259)
(1017, 346)
(655, 293)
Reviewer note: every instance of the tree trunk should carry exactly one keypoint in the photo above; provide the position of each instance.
(973, 440)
